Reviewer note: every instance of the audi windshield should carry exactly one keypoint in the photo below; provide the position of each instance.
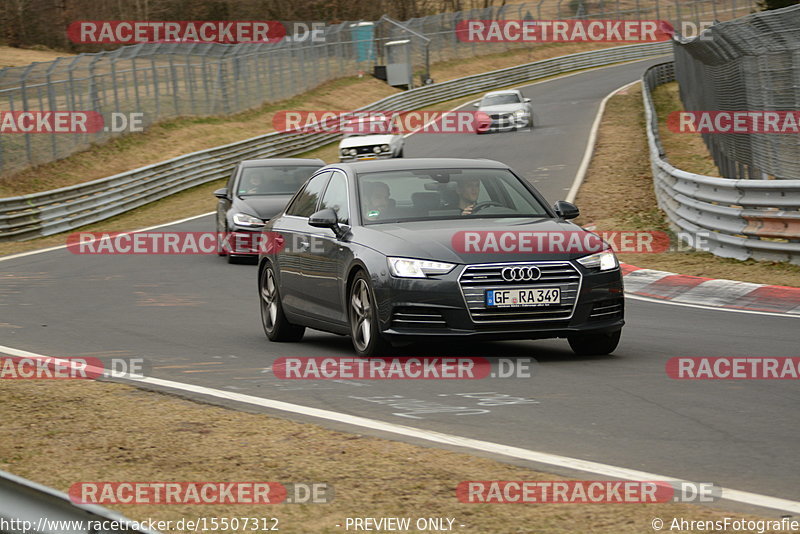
(438, 194)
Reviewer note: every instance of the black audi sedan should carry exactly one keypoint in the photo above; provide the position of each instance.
(397, 251)
(257, 190)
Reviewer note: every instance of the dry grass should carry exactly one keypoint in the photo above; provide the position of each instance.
(62, 433)
(686, 151)
(618, 195)
(19, 57)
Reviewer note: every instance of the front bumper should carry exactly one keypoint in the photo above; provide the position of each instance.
(244, 242)
(504, 123)
(366, 156)
(424, 308)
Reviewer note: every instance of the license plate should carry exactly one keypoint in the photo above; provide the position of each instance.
(519, 298)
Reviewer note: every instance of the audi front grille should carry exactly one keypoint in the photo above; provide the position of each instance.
(476, 279)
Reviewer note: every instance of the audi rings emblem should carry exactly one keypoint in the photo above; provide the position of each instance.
(521, 274)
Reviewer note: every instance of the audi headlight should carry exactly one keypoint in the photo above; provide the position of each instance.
(604, 261)
(411, 268)
(248, 221)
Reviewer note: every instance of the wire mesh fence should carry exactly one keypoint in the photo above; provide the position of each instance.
(158, 81)
(750, 65)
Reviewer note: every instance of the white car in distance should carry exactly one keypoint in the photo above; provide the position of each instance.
(507, 110)
(371, 137)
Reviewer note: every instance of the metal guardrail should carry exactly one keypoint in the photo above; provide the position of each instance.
(741, 219)
(59, 210)
(27, 507)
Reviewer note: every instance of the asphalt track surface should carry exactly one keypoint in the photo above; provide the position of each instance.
(195, 319)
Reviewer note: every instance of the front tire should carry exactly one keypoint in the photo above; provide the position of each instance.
(363, 315)
(594, 344)
(221, 242)
(276, 326)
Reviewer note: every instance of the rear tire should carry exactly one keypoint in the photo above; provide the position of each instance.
(594, 344)
(276, 326)
(363, 315)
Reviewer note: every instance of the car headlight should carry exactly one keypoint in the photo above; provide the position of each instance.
(243, 219)
(344, 151)
(520, 113)
(411, 268)
(385, 148)
(605, 261)
(376, 149)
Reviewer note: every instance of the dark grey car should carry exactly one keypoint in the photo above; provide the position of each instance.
(257, 190)
(372, 250)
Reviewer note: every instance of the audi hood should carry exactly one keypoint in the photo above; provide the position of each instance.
(481, 240)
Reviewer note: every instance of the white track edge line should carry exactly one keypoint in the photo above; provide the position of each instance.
(59, 247)
(634, 296)
(611, 471)
(590, 145)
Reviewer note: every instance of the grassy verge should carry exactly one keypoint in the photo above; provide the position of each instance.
(20, 57)
(686, 151)
(618, 193)
(62, 433)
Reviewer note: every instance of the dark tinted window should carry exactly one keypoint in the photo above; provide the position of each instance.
(283, 180)
(394, 196)
(305, 203)
(335, 197)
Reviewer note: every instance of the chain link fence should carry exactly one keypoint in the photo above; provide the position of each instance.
(164, 80)
(750, 64)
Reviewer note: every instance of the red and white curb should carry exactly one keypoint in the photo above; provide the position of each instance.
(710, 292)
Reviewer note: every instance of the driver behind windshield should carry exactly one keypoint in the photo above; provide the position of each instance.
(377, 196)
(468, 190)
(253, 185)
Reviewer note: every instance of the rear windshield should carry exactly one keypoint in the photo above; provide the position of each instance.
(284, 180)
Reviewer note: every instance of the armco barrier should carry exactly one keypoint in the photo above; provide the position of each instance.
(59, 210)
(31, 508)
(742, 219)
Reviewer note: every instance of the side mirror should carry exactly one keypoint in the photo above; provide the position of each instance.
(326, 218)
(566, 210)
(526, 99)
(221, 193)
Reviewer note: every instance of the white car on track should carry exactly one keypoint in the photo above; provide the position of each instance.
(372, 137)
(507, 110)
